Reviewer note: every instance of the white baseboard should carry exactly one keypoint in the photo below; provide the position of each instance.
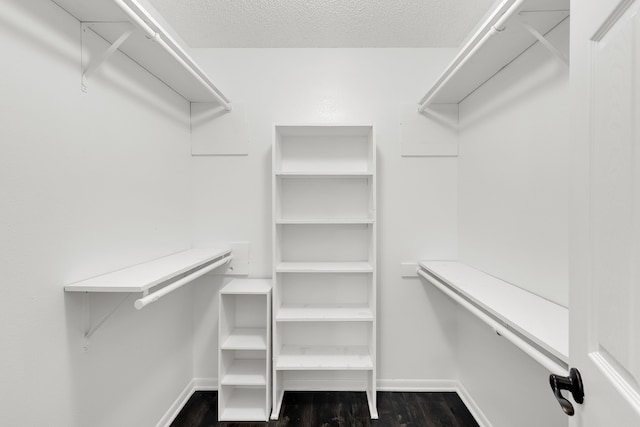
(471, 405)
(416, 385)
(321, 385)
(205, 384)
(437, 386)
(177, 405)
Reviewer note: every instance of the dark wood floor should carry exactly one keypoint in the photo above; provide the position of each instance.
(341, 409)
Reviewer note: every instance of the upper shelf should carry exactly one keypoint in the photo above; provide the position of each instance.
(142, 277)
(539, 321)
(152, 47)
(497, 42)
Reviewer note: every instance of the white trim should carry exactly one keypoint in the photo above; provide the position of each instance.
(444, 385)
(472, 406)
(416, 385)
(205, 384)
(323, 385)
(177, 405)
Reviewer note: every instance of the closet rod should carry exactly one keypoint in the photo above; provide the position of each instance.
(463, 57)
(544, 360)
(155, 296)
(184, 62)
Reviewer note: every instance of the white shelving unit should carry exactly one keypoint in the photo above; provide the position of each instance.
(513, 27)
(324, 302)
(244, 351)
(537, 326)
(150, 45)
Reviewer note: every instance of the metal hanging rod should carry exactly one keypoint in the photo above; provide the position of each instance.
(470, 51)
(536, 354)
(173, 50)
(155, 296)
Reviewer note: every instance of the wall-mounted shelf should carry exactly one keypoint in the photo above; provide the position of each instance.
(168, 274)
(537, 326)
(143, 277)
(150, 45)
(497, 42)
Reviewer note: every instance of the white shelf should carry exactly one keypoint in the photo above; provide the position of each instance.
(246, 372)
(142, 277)
(540, 321)
(246, 339)
(172, 65)
(478, 61)
(324, 267)
(244, 404)
(324, 221)
(326, 313)
(247, 287)
(324, 358)
(324, 174)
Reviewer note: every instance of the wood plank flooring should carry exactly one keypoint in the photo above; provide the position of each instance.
(341, 409)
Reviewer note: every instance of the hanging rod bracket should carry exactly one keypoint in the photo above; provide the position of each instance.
(90, 65)
(542, 39)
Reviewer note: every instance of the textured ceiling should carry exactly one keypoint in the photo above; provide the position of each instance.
(323, 23)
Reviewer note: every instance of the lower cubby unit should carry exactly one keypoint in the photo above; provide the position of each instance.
(242, 403)
(244, 351)
(326, 379)
(243, 368)
(335, 354)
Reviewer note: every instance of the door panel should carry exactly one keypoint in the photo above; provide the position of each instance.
(605, 272)
(613, 195)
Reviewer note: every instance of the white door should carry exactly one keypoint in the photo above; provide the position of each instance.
(605, 232)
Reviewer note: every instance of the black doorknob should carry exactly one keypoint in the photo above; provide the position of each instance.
(573, 384)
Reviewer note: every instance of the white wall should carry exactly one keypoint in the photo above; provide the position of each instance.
(513, 195)
(509, 387)
(89, 183)
(513, 182)
(416, 196)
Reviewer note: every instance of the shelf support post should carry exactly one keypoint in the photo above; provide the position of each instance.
(89, 330)
(92, 66)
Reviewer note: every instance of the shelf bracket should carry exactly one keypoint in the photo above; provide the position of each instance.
(94, 64)
(88, 328)
(543, 40)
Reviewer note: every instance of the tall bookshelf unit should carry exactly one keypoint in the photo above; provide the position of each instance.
(324, 260)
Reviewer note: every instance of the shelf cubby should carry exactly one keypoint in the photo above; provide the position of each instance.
(324, 358)
(242, 404)
(322, 197)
